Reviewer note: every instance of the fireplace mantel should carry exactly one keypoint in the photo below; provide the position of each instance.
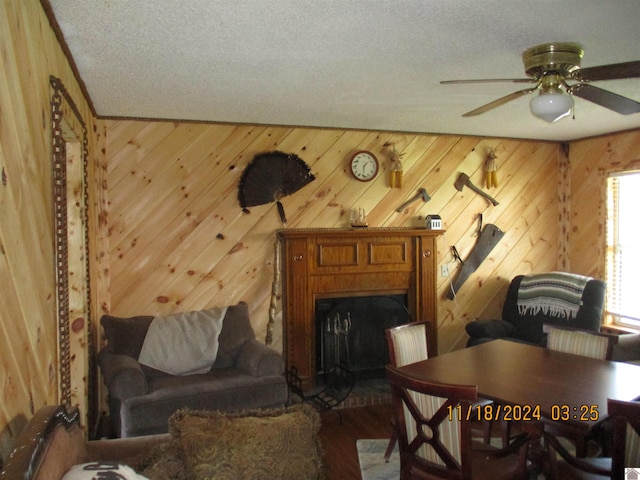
(326, 263)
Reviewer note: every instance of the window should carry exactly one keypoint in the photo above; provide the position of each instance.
(623, 248)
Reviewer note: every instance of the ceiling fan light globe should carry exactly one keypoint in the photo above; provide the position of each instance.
(551, 107)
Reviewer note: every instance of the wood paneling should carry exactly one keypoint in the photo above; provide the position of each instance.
(180, 241)
(590, 162)
(28, 331)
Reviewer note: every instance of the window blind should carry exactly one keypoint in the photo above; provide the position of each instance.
(622, 249)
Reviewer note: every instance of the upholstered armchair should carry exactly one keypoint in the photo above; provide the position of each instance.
(242, 373)
(534, 301)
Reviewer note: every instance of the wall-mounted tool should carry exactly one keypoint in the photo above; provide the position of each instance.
(488, 239)
(463, 179)
(422, 194)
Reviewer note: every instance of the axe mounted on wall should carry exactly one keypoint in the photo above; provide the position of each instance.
(421, 195)
(463, 179)
(489, 238)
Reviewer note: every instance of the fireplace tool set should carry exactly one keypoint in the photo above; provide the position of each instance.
(338, 376)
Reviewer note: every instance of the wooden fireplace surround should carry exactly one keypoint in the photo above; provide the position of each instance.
(331, 263)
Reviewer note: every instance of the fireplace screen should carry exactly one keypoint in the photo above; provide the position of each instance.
(351, 332)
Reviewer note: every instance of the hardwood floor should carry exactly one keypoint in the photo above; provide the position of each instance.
(339, 439)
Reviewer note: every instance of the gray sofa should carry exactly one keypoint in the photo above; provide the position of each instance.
(275, 443)
(246, 374)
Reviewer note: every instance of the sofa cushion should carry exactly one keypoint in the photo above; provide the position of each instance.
(236, 330)
(226, 390)
(164, 462)
(126, 335)
(184, 343)
(257, 444)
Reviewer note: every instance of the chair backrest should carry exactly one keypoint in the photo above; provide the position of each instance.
(407, 343)
(626, 439)
(580, 342)
(529, 325)
(434, 431)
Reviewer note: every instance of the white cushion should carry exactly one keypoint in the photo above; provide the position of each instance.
(98, 470)
(183, 343)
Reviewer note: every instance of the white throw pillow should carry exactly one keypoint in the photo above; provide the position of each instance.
(184, 343)
(102, 470)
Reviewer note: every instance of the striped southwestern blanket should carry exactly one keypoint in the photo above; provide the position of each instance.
(558, 294)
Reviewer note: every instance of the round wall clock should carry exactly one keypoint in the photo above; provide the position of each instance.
(364, 166)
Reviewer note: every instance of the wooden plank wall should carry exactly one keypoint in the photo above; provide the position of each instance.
(180, 241)
(591, 161)
(28, 331)
(167, 232)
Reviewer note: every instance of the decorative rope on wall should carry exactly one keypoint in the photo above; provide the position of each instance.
(61, 104)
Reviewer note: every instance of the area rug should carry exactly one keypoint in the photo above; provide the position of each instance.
(372, 464)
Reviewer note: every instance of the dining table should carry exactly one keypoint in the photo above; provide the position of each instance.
(559, 386)
(534, 385)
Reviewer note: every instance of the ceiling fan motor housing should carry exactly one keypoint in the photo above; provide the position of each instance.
(561, 57)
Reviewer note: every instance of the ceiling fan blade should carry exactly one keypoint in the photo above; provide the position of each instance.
(609, 72)
(488, 80)
(500, 101)
(606, 99)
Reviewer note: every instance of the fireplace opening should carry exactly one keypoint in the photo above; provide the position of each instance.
(350, 331)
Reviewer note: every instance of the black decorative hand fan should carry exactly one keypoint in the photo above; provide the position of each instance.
(271, 176)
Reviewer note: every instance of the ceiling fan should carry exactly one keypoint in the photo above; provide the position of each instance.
(553, 67)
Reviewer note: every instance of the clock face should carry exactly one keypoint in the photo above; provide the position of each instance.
(364, 166)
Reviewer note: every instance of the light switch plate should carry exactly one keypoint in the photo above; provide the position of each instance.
(444, 270)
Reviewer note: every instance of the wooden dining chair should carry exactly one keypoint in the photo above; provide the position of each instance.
(434, 433)
(581, 342)
(625, 417)
(586, 344)
(407, 344)
(626, 436)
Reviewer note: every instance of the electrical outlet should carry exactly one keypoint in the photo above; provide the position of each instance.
(444, 270)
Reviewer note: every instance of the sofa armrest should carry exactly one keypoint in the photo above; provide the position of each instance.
(490, 329)
(49, 445)
(122, 374)
(129, 451)
(259, 360)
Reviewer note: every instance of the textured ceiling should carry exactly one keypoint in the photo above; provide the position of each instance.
(365, 64)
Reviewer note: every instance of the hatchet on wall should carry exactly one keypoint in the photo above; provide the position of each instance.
(421, 195)
(463, 179)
